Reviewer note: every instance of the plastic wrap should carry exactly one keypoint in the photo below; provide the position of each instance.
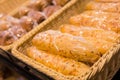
(27, 23)
(4, 25)
(23, 11)
(60, 2)
(7, 37)
(109, 7)
(28, 16)
(99, 19)
(37, 16)
(12, 20)
(89, 32)
(56, 62)
(49, 10)
(77, 48)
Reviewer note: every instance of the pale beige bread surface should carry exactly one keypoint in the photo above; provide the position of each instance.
(77, 48)
(99, 19)
(87, 31)
(108, 7)
(60, 64)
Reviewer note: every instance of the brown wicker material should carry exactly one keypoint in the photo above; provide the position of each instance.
(103, 69)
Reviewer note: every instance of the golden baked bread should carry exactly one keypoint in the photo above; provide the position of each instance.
(107, 0)
(89, 32)
(99, 19)
(101, 45)
(77, 48)
(108, 7)
(60, 64)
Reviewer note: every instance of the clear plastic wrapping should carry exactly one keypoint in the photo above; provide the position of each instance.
(77, 48)
(60, 64)
(99, 19)
(89, 32)
(12, 34)
(4, 25)
(28, 16)
(109, 7)
(49, 10)
(60, 2)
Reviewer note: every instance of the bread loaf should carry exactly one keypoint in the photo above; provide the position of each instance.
(77, 48)
(108, 7)
(60, 64)
(107, 0)
(99, 19)
(89, 32)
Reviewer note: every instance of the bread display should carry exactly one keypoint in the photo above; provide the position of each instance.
(60, 64)
(77, 48)
(81, 40)
(86, 31)
(108, 7)
(28, 17)
(98, 19)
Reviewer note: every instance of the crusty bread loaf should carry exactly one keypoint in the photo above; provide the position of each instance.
(99, 19)
(92, 35)
(64, 65)
(107, 0)
(108, 7)
(77, 48)
(89, 32)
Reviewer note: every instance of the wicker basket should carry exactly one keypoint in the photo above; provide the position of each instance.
(12, 8)
(103, 69)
